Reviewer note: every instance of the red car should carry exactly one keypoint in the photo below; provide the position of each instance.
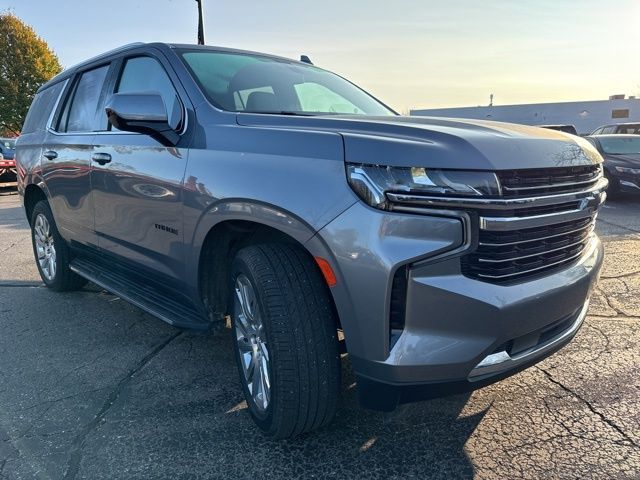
(8, 176)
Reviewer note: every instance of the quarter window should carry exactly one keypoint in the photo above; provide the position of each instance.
(83, 113)
(40, 109)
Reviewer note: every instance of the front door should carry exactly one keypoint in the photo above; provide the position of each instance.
(137, 184)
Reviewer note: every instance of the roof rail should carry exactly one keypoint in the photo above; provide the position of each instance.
(110, 52)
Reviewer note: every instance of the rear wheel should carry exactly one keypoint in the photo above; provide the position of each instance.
(285, 339)
(52, 252)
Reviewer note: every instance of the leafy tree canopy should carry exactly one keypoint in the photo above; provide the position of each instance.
(26, 62)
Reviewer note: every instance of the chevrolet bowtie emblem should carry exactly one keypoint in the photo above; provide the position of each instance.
(584, 203)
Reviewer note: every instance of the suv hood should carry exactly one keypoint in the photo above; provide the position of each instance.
(441, 142)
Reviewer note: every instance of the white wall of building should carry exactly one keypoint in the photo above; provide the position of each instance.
(585, 116)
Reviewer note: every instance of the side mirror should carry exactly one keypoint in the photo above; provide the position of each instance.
(144, 113)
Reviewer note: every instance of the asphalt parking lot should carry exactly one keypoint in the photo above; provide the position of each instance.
(91, 387)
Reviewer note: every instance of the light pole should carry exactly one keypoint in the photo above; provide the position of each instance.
(200, 24)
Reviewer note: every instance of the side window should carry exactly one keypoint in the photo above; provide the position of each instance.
(607, 130)
(597, 131)
(83, 112)
(146, 74)
(41, 107)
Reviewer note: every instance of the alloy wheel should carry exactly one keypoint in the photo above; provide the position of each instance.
(251, 343)
(45, 247)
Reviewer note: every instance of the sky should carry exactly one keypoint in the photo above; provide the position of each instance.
(408, 53)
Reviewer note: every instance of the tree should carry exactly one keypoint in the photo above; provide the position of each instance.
(26, 62)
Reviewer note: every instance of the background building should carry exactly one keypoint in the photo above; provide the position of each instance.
(585, 116)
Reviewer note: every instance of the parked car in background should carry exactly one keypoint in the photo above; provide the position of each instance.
(8, 176)
(7, 147)
(561, 128)
(621, 155)
(618, 128)
(204, 183)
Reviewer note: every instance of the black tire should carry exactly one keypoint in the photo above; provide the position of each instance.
(63, 279)
(299, 320)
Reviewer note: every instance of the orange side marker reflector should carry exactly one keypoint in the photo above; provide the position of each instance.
(326, 270)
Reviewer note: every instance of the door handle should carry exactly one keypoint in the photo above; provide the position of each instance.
(101, 158)
(50, 155)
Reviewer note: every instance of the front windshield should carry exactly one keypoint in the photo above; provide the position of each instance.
(242, 82)
(620, 145)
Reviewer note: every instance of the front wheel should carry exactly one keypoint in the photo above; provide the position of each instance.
(285, 339)
(52, 252)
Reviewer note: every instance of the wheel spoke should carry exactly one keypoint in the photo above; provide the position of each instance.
(52, 265)
(265, 372)
(244, 346)
(39, 233)
(263, 349)
(244, 297)
(45, 226)
(256, 381)
(250, 371)
(242, 330)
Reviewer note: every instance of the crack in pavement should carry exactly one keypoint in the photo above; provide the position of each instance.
(619, 312)
(590, 407)
(75, 457)
(7, 249)
(56, 400)
(622, 275)
(607, 343)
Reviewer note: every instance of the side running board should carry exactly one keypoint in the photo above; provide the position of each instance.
(169, 307)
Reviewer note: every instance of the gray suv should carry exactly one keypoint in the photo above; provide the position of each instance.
(211, 186)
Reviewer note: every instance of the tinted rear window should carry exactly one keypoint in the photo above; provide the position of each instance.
(41, 107)
(84, 113)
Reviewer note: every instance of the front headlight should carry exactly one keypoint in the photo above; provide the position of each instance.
(632, 171)
(372, 182)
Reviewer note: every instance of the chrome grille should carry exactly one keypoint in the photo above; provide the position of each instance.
(504, 256)
(538, 181)
(531, 240)
(544, 220)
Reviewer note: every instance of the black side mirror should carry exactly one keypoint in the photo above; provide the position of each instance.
(143, 113)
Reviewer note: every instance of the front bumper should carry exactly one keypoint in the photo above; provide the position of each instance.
(459, 333)
(629, 184)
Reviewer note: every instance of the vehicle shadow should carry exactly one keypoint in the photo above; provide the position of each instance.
(423, 440)
(180, 413)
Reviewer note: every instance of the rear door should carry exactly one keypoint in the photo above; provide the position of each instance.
(67, 152)
(137, 189)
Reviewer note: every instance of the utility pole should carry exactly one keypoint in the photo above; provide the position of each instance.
(200, 24)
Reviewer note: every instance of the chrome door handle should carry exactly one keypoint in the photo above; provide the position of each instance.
(50, 155)
(101, 158)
